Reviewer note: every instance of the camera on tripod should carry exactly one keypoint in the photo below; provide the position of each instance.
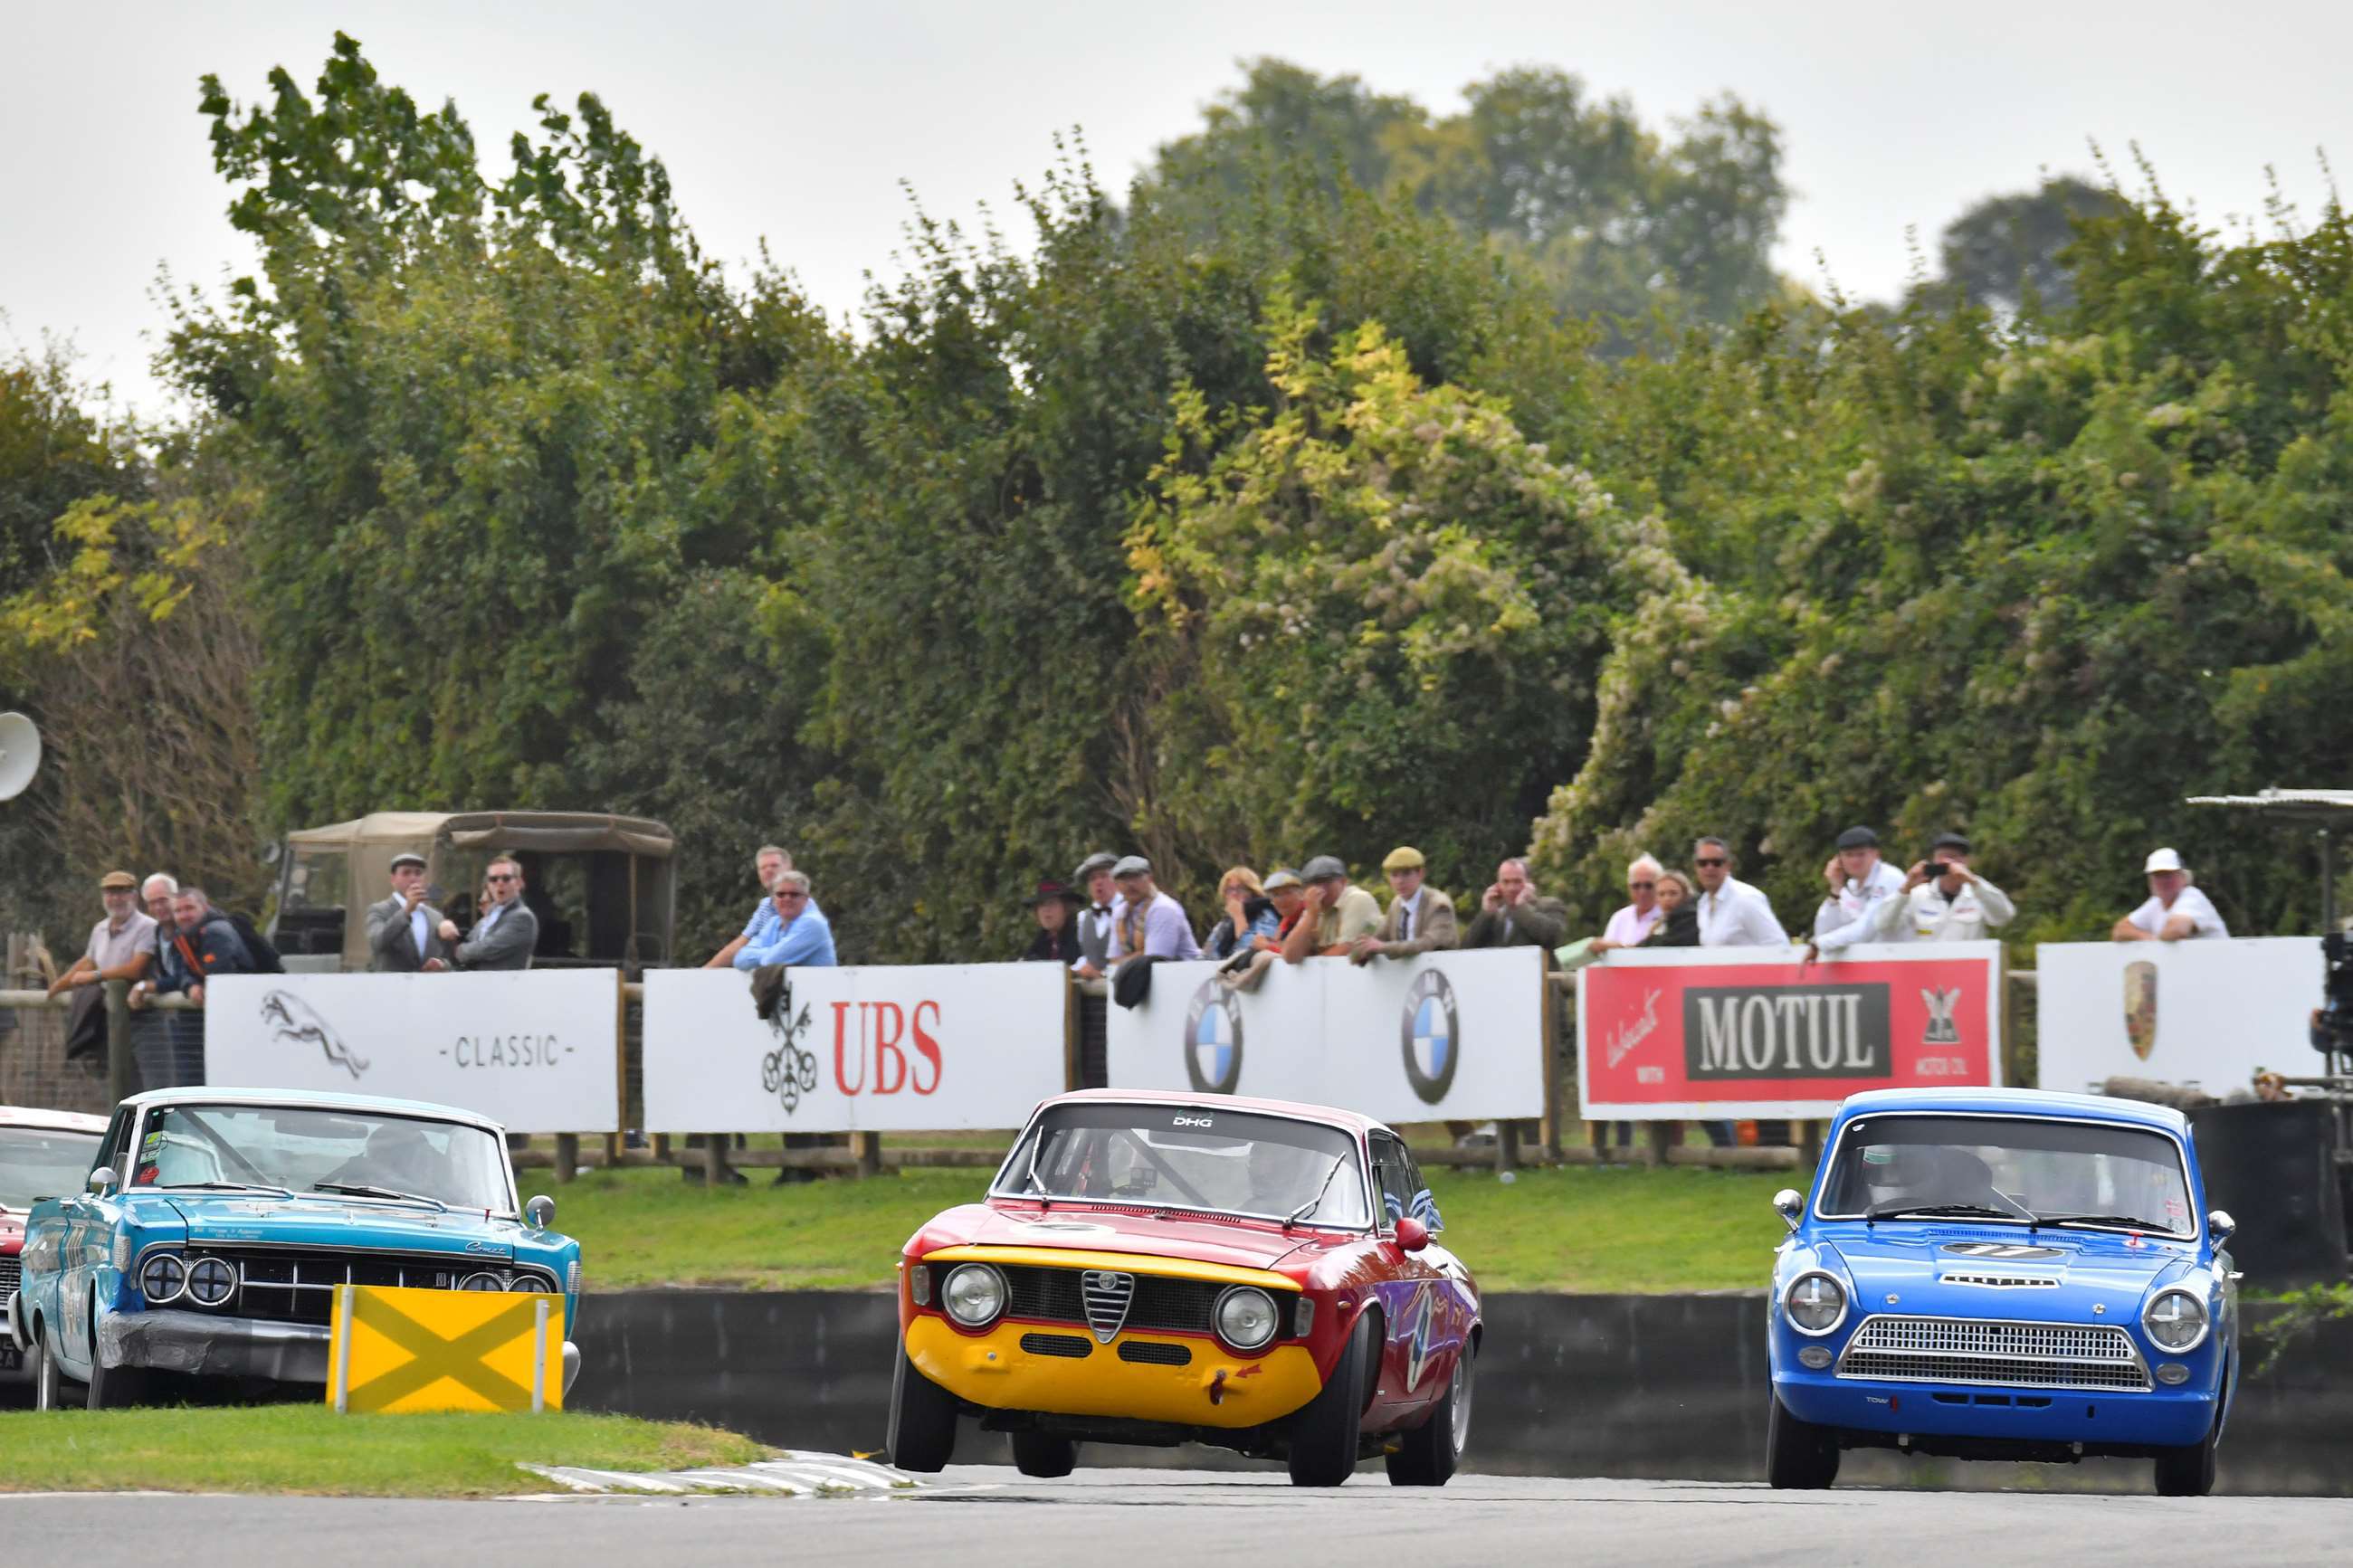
(2332, 1026)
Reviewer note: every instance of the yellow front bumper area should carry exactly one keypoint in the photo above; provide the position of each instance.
(991, 1369)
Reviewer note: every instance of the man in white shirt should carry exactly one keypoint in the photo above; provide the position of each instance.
(121, 946)
(1943, 900)
(1629, 925)
(2175, 912)
(1731, 912)
(1860, 883)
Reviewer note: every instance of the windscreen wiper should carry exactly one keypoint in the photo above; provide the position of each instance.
(1292, 1217)
(2126, 1221)
(227, 1187)
(1901, 1210)
(362, 1190)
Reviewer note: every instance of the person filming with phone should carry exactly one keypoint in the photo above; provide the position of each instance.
(1943, 900)
(404, 931)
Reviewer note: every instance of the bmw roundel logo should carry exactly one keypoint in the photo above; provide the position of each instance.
(1433, 1036)
(1213, 1039)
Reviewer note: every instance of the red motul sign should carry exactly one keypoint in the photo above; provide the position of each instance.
(1711, 1032)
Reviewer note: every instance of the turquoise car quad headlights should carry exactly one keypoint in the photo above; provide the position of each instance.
(1815, 1303)
(974, 1294)
(161, 1278)
(211, 1282)
(2174, 1320)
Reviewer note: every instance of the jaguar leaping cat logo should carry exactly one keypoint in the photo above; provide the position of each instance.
(291, 1018)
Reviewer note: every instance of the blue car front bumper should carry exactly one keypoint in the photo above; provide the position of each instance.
(2105, 1421)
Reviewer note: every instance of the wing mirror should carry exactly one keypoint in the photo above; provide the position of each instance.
(540, 1211)
(2220, 1226)
(102, 1181)
(1411, 1234)
(1789, 1203)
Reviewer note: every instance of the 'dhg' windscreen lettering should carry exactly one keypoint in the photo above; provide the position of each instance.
(1785, 1032)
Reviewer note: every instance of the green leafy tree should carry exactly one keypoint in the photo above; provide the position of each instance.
(2009, 249)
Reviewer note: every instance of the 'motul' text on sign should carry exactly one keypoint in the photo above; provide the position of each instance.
(872, 1049)
(537, 1049)
(1711, 1032)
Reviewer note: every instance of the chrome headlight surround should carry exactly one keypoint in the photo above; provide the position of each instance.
(1261, 1319)
(2196, 1306)
(973, 1295)
(162, 1277)
(1837, 1291)
(526, 1283)
(212, 1281)
(482, 1279)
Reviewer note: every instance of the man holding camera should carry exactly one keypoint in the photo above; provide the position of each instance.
(1861, 885)
(1943, 900)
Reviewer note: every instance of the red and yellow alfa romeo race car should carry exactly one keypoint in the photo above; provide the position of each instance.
(1162, 1268)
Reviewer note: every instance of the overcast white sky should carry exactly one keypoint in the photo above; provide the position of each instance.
(795, 122)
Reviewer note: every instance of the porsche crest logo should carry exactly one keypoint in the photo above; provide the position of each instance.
(2140, 1006)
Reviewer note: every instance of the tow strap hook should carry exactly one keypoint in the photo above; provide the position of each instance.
(1218, 1387)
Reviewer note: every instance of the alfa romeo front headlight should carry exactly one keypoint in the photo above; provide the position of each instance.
(2175, 1320)
(974, 1294)
(1246, 1316)
(1815, 1302)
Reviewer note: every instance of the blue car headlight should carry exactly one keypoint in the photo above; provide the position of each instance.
(1815, 1302)
(2175, 1320)
(161, 1278)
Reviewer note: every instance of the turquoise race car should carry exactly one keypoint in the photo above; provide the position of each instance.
(215, 1225)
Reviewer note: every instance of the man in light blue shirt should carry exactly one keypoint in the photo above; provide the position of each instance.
(800, 936)
(769, 863)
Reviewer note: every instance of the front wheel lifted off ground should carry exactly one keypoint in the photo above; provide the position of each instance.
(1043, 1454)
(922, 1419)
(1799, 1454)
(1430, 1453)
(1323, 1435)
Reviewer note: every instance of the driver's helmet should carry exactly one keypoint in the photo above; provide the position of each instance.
(401, 1150)
(1896, 1171)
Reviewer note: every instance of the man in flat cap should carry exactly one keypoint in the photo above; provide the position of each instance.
(1097, 893)
(1336, 916)
(1147, 922)
(1859, 882)
(121, 945)
(1419, 919)
(403, 935)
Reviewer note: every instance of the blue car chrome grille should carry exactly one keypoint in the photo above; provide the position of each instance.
(2009, 1354)
(294, 1286)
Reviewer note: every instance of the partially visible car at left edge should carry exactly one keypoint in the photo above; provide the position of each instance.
(43, 1154)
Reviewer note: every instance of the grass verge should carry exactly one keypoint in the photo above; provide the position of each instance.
(308, 1449)
(1582, 1228)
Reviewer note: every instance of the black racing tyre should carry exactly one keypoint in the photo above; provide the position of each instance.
(1043, 1454)
(1430, 1451)
(1323, 1435)
(922, 1419)
(1799, 1454)
(115, 1387)
(49, 1384)
(2188, 1471)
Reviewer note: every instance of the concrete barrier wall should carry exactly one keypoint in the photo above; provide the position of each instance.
(1668, 1386)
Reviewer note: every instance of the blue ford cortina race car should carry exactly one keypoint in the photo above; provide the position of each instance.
(2002, 1274)
(217, 1224)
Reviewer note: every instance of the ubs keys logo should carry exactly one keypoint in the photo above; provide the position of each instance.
(1432, 1034)
(1213, 1039)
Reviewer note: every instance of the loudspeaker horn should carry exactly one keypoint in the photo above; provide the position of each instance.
(20, 753)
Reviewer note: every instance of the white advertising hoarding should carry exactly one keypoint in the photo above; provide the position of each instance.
(2202, 1012)
(877, 1048)
(537, 1049)
(1449, 1036)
